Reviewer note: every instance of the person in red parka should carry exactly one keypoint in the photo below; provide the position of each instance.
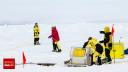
(55, 39)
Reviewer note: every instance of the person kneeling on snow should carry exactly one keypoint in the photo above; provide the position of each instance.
(96, 48)
(55, 39)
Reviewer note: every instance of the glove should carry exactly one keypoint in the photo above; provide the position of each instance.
(101, 41)
(49, 36)
(101, 32)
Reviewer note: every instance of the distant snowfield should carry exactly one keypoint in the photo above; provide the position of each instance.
(17, 38)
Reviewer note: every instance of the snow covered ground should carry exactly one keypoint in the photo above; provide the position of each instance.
(17, 38)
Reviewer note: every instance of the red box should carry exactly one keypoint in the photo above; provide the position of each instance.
(9, 63)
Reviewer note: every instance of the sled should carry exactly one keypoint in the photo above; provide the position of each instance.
(79, 57)
(46, 64)
(41, 64)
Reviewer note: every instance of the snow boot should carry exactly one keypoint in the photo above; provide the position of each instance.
(54, 51)
(37, 43)
(67, 61)
(59, 50)
(99, 61)
(34, 43)
(110, 62)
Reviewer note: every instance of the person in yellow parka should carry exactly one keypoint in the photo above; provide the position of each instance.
(96, 48)
(36, 34)
(107, 42)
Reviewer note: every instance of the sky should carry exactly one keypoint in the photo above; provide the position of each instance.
(63, 11)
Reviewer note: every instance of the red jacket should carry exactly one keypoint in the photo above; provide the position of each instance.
(55, 35)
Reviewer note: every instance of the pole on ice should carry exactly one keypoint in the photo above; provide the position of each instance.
(24, 59)
(113, 41)
(113, 49)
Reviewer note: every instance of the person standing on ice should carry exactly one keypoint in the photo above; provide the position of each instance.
(55, 39)
(36, 34)
(107, 42)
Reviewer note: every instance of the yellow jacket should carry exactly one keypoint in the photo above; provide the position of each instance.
(91, 44)
(36, 32)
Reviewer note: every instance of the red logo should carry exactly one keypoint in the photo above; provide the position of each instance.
(9, 63)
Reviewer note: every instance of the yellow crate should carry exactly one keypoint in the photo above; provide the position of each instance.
(117, 50)
(78, 52)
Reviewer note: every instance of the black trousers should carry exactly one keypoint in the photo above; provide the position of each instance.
(55, 47)
(92, 59)
(36, 40)
(107, 53)
(99, 61)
